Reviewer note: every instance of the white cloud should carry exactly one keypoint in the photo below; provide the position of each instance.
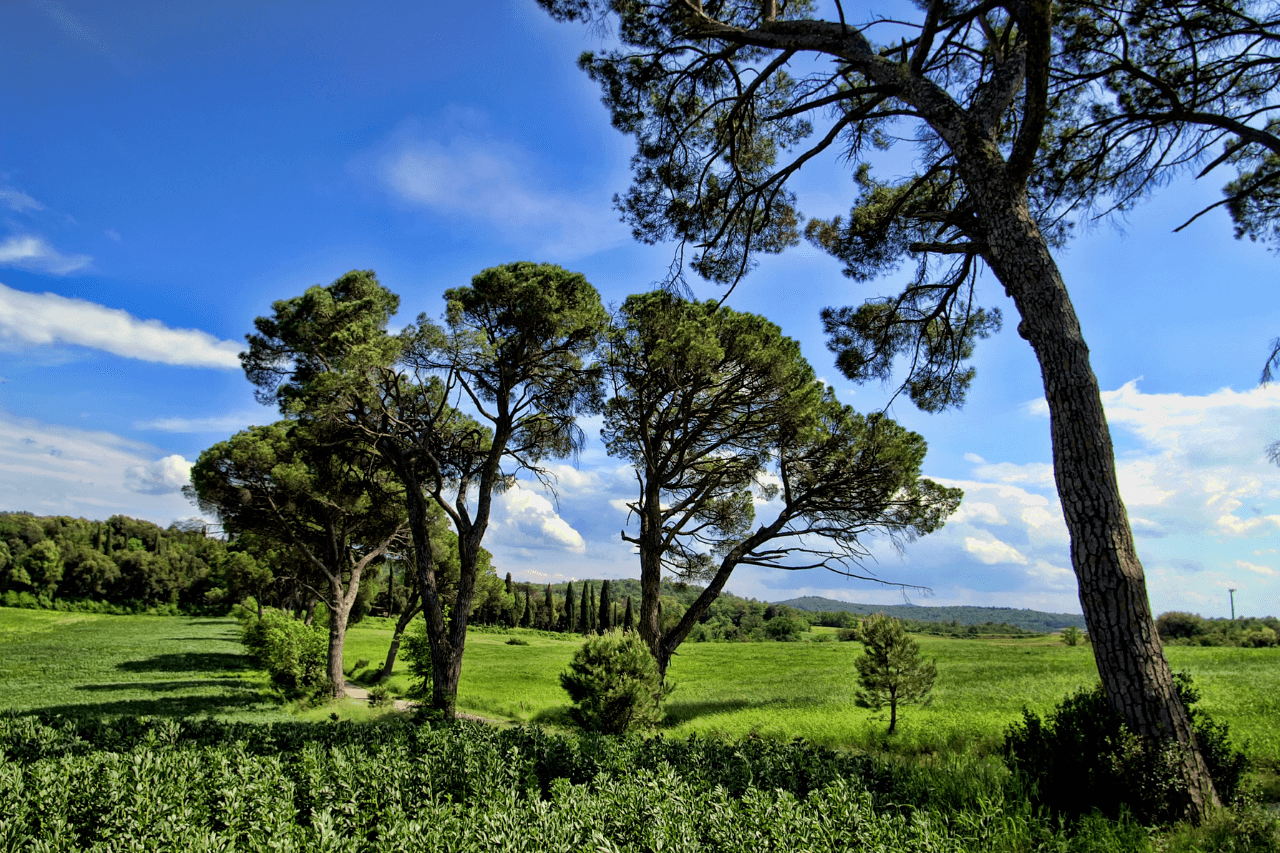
(46, 318)
(219, 423)
(32, 253)
(1255, 568)
(991, 550)
(18, 200)
(1034, 474)
(164, 476)
(491, 182)
(534, 522)
(49, 469)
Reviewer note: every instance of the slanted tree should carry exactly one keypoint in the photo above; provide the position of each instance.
(516, 348)
(728, 100)
(890, 669)
(333, 501)
(716, 409)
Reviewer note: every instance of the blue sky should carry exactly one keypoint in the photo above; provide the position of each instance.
(167, 170)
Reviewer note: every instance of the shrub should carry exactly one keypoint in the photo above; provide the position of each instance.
(294, 653)
(1072, 636)
(379, 696)
(786, 629)
(614, 684)
(1082, 757)
(516, 641)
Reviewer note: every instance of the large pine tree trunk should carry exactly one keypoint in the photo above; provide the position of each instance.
(1113, 591)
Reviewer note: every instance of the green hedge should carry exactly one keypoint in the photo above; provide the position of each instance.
(202, 785)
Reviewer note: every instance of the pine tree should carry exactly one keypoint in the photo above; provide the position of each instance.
(570, 624)
(526, 620)
(890, 668)
(628, 621)
(604, 621)
(584, 609)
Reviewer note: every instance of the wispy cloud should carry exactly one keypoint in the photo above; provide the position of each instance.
(218, 423)
(495, 183)
(46, 319)
(18, 200)
(32, 253)
(50, 469)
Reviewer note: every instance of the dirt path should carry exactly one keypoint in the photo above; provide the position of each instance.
(360, 694)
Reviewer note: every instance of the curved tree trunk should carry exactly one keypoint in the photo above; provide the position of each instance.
(412, 608)
(1112, 586)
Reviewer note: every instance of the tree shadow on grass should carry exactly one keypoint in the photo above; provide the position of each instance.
(682, 712)
(168, 686)
(166, 706)
(190, 662)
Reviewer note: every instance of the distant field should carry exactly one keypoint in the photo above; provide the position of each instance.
(175, 665)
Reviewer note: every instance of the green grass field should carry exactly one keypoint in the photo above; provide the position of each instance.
(64, 663)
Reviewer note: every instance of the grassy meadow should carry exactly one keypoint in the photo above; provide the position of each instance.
(178, 666)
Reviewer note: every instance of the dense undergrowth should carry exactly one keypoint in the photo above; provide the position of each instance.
(152, 783)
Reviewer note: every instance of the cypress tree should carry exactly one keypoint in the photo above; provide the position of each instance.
(605, 619)
(593, 613)
(550, 605)
(570, 624)
(508, 583)
(628, 621)
(584, 609)
(527, 619)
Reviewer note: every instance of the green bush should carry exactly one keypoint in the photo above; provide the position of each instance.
(1082, 758)
(614, 684)
(294, 653)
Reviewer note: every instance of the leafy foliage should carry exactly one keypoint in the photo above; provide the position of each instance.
(1081, 757)
(614, 684)
(294, 653)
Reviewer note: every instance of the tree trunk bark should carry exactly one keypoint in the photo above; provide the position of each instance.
(412, 607)
(1112, 585)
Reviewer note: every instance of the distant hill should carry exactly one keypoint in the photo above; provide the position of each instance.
(1031, 620)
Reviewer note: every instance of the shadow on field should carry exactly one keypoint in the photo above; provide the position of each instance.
(189, 662)
(168, 686)
(169, 706)
(684, 711)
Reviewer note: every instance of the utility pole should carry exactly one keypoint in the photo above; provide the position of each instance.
(1233, 604)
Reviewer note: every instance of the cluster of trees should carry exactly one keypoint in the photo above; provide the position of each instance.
(123, 563)
(1025, 116)
(396, 444)
(1189, 629)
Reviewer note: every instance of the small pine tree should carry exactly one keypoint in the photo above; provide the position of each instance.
(570, 623)
(604, 622)
(890, 669)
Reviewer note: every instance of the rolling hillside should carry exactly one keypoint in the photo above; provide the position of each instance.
(1031, 620)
